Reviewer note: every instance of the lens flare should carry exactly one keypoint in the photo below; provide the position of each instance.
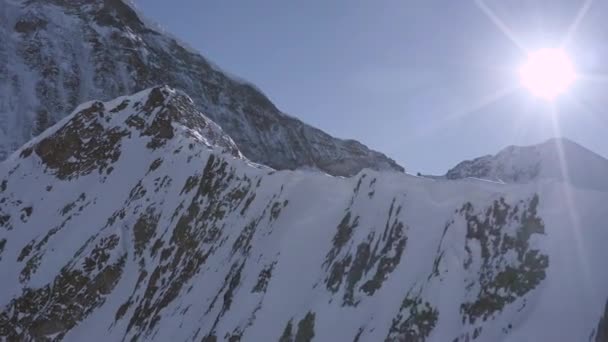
(547, 73)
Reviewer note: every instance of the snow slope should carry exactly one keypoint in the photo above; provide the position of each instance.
(556, 159)
(139, 219)
(56, 54)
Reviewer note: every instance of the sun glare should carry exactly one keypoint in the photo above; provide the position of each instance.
(547, 73)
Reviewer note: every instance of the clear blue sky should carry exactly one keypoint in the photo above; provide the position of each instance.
(414, 79)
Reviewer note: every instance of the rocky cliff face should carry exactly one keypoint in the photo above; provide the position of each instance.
(139, 219)
(56, 54)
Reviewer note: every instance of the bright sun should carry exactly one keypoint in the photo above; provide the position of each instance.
(547, 73)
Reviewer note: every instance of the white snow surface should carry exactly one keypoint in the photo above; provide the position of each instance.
(231, 249)
(557, 159)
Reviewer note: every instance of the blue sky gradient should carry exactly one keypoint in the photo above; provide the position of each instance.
(419, 80)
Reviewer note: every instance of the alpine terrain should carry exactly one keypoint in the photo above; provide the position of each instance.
(56, 54)
(139, 219)
(557, 159)
(146, 195)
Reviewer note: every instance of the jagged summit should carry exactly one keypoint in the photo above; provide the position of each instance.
(556, 159)
(57, 54)
(94, 135)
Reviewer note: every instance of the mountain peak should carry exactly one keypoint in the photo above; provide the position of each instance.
(116, 13)
(556, 159)
(91, 138)
(57, 54)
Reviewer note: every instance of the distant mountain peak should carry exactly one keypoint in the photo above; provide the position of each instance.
(556, 159)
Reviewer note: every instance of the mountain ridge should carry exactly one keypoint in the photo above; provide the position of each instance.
(139, 217)
(57, 54)
(147, 229)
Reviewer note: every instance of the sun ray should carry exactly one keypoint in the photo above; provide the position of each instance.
(483, 102)
(580, 15)
(570, 203)
(557, 132)
(500, 24)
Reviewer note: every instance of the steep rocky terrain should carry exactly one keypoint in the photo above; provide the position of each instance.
(139, 219)
(56, 54)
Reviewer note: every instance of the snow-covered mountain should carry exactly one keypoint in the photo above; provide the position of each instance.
(556, 159)
(56, 54)
(139, 219)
